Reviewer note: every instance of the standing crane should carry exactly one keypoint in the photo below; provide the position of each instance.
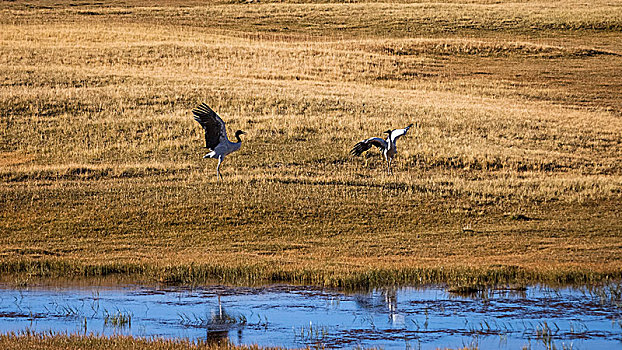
(216, 135)
(388, 148)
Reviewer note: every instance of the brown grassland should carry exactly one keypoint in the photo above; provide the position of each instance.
(513, 173)
(33, 341)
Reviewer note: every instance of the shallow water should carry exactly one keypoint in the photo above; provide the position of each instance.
(391, 318)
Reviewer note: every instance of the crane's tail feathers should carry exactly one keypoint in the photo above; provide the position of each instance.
(359, 148)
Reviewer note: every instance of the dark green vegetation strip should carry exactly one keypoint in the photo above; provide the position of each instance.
(26, 271)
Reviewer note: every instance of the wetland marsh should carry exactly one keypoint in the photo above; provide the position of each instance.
(428, 317)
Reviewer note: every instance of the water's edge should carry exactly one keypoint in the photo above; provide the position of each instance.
(298, 316)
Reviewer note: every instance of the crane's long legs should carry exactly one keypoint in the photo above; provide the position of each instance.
(218, 168)
(389, 166)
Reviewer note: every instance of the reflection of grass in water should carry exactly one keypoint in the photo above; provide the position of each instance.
(216, 319)
(542, 331)
(611, 295)
(311, 334)
(217, 324)
(608, 294)
(484, 292)
(118, 319)
(68, 311)
(545, 334)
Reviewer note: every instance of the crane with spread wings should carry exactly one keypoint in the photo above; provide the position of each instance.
(216, 135)
(388, 147)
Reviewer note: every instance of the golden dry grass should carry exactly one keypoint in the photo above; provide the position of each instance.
(31, 341)
(514, 169)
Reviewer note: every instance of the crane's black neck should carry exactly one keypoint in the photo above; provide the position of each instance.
(388, 132)
(237, 135)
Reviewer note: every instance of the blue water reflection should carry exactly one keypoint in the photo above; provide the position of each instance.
(289, 316)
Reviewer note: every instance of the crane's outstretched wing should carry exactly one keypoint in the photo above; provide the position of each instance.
(214, 127)
(364, 145)
(397, 133)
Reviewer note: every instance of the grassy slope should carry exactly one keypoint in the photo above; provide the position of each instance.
(513, 172)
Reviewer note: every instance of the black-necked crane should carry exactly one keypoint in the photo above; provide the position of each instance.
(216, 135)
(388, 148)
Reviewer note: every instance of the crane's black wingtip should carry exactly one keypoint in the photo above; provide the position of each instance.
(358, 149)
(202, 109)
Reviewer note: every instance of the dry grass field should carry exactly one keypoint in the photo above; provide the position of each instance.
(513, 172)
(33, 341)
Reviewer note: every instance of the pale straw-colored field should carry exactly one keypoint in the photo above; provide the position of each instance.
(512, 173)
